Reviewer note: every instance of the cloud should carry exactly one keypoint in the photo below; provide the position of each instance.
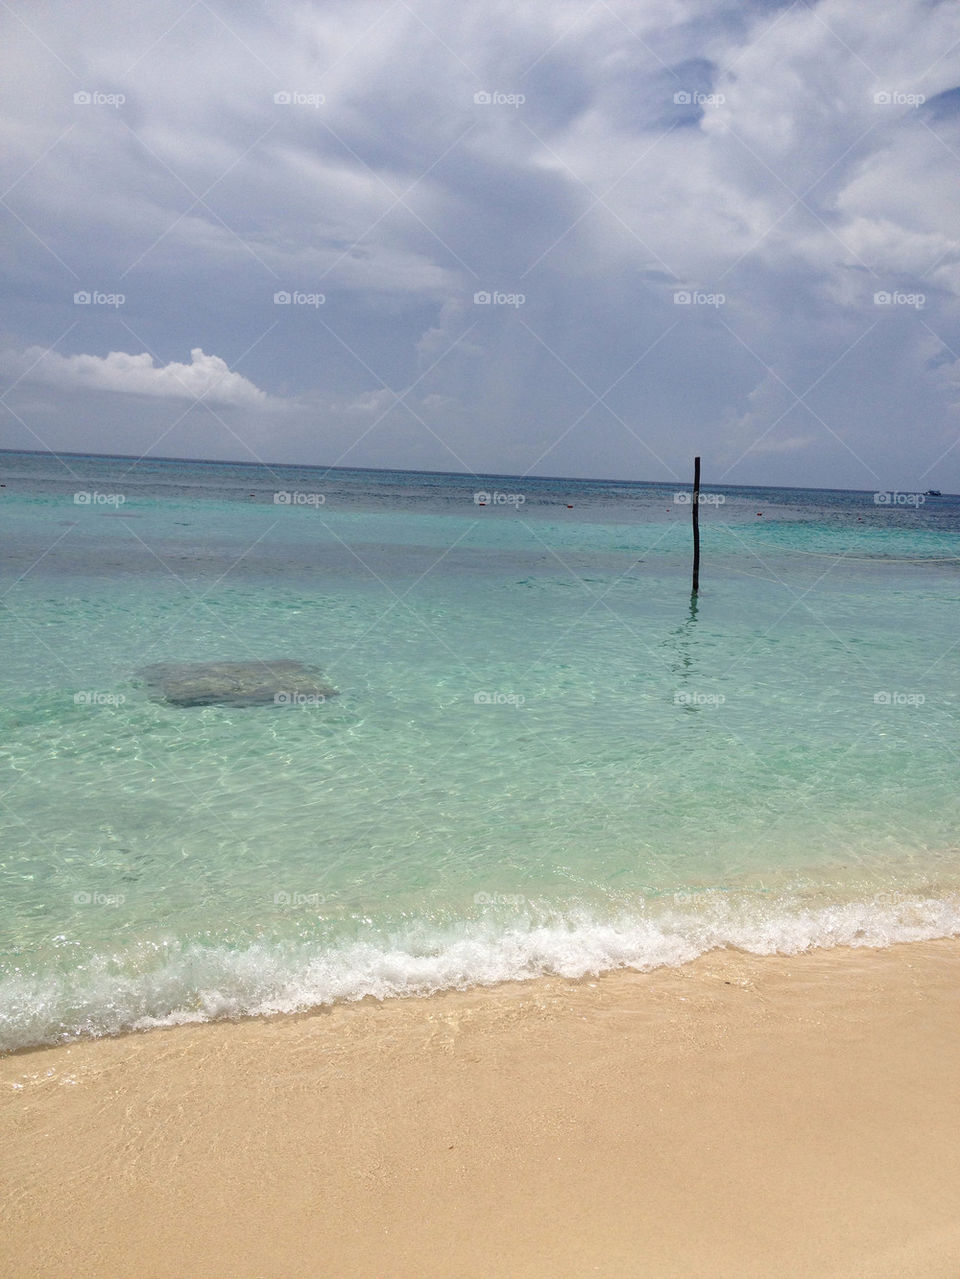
(206, 377)
(772, 152)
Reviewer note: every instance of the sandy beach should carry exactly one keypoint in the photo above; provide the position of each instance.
(739, 1116)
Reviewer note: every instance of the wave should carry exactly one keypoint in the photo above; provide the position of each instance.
(180, 982)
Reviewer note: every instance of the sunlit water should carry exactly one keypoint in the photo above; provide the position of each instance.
(544, 757)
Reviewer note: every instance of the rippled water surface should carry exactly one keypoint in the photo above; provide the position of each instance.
(542, 755)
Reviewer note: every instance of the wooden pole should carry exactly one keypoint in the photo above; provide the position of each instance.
(696, 525)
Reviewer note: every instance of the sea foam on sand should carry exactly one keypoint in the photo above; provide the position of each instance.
(177, 982)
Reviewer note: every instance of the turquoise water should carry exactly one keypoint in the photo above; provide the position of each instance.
(544, 757)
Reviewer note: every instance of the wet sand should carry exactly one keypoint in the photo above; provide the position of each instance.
(738, 1117)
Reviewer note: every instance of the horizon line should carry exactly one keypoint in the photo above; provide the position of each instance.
(385, 470)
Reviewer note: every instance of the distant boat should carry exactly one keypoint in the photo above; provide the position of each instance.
(933, 493)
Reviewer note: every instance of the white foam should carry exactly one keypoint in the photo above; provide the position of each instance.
(180, 983)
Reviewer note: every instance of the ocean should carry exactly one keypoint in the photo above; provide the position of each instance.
(543, 755)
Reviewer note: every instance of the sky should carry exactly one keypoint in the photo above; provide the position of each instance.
(565, 238)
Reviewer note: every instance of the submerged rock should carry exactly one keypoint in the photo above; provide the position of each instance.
(267, 683)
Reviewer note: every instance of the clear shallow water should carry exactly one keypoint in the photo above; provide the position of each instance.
(543, 758)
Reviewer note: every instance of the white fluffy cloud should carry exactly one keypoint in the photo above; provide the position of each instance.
(206, 377)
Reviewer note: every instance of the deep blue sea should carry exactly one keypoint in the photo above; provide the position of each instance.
(544, 756)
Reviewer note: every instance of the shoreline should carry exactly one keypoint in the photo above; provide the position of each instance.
(739, 1115)
(194, 985)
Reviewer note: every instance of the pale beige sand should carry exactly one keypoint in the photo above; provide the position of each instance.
(738, 1117)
